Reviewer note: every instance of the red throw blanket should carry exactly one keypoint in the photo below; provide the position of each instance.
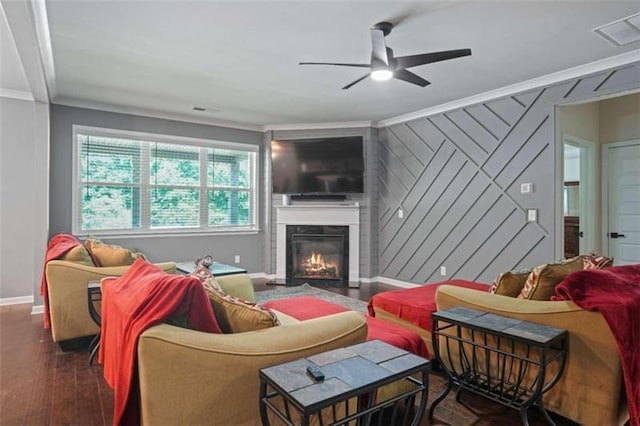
(415, 305)
(142, 297)
(307, 307)
(58, 246)
(615, 293)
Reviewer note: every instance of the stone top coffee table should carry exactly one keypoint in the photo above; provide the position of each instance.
(351, 373)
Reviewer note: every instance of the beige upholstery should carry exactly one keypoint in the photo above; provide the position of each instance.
(189, 377)
(590, 391)
(68, 306)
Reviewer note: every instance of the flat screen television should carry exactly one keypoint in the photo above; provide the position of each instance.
(318, 166)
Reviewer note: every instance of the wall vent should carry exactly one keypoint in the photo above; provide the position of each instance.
(622, 32)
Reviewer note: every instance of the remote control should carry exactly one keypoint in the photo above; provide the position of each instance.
(316, 373)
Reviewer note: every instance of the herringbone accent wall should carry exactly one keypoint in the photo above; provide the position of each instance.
(457, 178)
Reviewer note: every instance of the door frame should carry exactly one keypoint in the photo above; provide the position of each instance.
(587, 189)
(605, 188)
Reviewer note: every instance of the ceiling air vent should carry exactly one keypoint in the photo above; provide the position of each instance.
(622, 32)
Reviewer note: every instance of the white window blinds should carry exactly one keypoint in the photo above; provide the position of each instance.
(131, 184)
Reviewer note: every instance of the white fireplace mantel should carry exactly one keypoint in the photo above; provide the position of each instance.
(332, 215)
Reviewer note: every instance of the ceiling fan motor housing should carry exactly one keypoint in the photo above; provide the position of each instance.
(385, 27)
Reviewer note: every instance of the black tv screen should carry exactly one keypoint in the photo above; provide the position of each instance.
(318, 166)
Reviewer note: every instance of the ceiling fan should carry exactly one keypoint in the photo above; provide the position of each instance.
(385, 66)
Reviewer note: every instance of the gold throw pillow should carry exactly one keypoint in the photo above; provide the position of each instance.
(543, 279)
(236, 315)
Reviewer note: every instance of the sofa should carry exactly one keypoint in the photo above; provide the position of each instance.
(192, 377)
(67, 292)
(591, 390)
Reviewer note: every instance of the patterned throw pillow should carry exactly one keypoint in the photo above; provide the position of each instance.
(543, 279)
(110, 255)
(595, 261)
(510, 283)
(78, 254)
(236, 315)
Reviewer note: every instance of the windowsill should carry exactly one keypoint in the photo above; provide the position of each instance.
(161, 234)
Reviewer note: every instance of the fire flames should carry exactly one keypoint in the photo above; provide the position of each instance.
(316, 267)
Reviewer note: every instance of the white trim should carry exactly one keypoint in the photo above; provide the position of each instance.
(587, 190)
(41, 24)
(164, 115)
(6, 301)
(16, 94)
(317, 126)
(546, 80)
(390, 281)
(257, 275)
(38, 309)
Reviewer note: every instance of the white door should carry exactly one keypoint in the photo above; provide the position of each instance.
(622, 192)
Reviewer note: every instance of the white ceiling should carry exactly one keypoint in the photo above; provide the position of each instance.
(12, 76)
(240, 58)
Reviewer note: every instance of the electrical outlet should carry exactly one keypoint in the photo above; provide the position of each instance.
(400, 213)
(443, 271)
(237, 259)
(526, 188)
(532, 215)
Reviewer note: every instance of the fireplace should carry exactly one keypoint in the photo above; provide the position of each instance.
(317, 254)
(325, 217)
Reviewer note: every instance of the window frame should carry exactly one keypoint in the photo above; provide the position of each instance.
(145, 187)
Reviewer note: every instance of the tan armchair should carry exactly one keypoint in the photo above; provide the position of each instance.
(189, 377)
(68, 306)
(591, 390)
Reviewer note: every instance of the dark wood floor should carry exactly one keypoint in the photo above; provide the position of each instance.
(41, 385)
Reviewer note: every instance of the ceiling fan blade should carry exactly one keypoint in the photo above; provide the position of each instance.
(355, 82)
(427, 58)
(335, 63)
(410, 77)
(379, 48)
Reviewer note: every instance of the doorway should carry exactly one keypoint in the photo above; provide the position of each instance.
(578, 195)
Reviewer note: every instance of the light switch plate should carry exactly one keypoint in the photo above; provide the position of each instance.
(526, 188)
(532, 215)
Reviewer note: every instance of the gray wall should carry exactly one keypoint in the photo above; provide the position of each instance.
(457, 177)
(368, 205)
(221, 247)
(23, 197)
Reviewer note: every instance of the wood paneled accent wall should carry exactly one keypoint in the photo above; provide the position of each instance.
(457, 175)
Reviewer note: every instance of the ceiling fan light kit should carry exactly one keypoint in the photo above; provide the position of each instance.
(381, 75)
(384, 66)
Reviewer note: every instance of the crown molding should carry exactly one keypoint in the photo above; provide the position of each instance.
(317, 126)
(43, 34)
(546, 80)
(155, 114)
(16, 94)
(20, 18)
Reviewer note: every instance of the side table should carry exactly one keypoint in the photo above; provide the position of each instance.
(94, 295)
(510, 361)
(354, 372)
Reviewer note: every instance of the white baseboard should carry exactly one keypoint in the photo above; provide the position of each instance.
(390, 281)
(16, 300)
(39, 309)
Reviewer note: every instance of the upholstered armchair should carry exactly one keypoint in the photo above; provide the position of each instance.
(67, 291)
(191, 377)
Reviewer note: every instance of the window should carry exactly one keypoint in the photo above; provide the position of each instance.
(134, 183)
